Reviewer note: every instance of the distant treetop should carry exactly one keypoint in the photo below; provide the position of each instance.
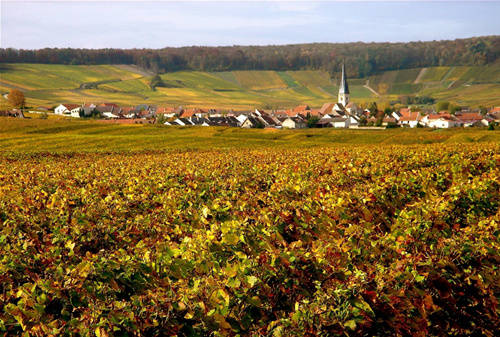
(361, 59)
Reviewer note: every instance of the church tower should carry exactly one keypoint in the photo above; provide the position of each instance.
(344, 89)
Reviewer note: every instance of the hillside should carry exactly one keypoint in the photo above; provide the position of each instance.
(362, 59)
(51, 84)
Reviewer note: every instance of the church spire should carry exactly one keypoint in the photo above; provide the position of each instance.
(344, 88)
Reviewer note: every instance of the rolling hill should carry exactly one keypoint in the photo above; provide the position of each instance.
(51, 84)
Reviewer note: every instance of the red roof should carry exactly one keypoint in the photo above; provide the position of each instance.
(71, 106)
(301, 108)
(165, 110)
(127, 109)
(109, 104)
(192, 111)
(326, 108)
(405, 111)
(410, 116)
(470, 116)
(440, 115)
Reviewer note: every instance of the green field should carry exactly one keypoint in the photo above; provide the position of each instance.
(53, 84)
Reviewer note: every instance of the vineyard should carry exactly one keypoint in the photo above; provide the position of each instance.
(51, 84)
(366, 240)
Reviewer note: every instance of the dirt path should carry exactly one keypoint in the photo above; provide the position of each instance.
(420, 75)
(367, 86)
(449, 86)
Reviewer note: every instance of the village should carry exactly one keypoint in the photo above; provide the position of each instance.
(341, 114)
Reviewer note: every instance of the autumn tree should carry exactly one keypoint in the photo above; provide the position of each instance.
(16, 98)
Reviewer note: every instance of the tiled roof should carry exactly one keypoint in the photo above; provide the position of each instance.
(301, 108)
(410, 116)
(326, 108)
(470, 116)
(71, 106)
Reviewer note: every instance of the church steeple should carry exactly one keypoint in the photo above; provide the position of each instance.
(344, 88)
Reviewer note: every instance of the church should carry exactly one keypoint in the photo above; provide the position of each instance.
(343, 113)
(344, 89)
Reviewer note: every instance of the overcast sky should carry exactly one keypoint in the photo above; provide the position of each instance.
(156, 24)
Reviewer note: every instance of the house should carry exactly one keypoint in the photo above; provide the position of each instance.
(88, 109)
(130, 112)
(353, 109)
(12, 113)
(188, 113)
(258, 112)
(224, 121)
(397, 115)
(241, 118)
(253, 122)
(472, 119)
(201, 121)
(182, 121)
(387, 120)
(293, 123)
(353, 120)
(72, 110)
(441, 121)
(167, 112)
(494, 115)
(326, 109)
(302, 109)
(335, 122)
(109, 110)
(283, 114)
(409, 118)
(270, 121)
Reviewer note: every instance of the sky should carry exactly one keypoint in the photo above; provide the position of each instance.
(157, 24)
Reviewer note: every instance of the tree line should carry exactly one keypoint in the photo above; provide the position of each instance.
(362, 59)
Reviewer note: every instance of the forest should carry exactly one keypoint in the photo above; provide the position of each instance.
(362, 59)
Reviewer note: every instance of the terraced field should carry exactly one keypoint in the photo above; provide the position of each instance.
(52, 84)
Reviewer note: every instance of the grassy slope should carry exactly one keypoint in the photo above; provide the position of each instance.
(63, 136)
(51, 84)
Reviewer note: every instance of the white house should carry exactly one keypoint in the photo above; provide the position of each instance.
(241, 118)
(293, 123)
(472, 119)
(411, 119)
(353, 120)
(183, 122)
(340, 122)
(72, 110)
(336, 122)
(441, 121)
(110, 115)
(396, 115)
